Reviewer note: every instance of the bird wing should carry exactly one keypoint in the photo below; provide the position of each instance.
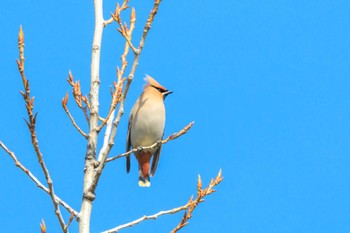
(128, 143)
(156, 159)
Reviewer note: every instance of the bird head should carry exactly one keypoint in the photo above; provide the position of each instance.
(151, 82)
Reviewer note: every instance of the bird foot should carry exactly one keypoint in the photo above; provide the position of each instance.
(139, 149)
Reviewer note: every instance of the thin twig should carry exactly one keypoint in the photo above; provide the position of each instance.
(108, 21)
(86, 108)
(147, 217)
(64, 105)
(79, 98)
(201, 193)
(35, 180)
(116, 95)
(116, 15)
(123, 29)
(29, 101)
(148, 25)
(70, 221)
(157, 144)
(189, 207)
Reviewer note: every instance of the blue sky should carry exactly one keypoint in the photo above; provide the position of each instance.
(265, 81)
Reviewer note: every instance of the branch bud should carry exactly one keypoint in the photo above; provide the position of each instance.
(20, 36)
(43, 226)
(65, 100)
(133, 16)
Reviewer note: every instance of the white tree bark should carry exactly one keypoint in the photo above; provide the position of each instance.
(90, 157)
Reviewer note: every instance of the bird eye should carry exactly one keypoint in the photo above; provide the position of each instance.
(159, 89)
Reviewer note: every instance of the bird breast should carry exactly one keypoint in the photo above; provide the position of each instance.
(148, 124)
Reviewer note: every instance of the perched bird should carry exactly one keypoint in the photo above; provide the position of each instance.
(146, 127)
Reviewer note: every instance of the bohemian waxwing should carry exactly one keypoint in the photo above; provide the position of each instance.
(146, 127)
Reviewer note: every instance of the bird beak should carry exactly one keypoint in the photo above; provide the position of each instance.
(166, 93)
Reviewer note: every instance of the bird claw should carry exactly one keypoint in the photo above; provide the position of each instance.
(139, 149)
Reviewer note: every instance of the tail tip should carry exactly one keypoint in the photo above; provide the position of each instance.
(145, 183)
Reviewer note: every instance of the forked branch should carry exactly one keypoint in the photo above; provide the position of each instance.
(201, 193)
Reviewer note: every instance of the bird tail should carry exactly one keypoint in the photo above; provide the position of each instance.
(144, 162)
(144, 182)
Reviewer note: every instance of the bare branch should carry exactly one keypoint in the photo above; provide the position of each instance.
(69, 221)
(108, 21)
(29, 102)
(116, 95)
(149, 23)
(189, 207)
(116, 13)
(78, 96)
(64, 105)
(149, 217)
(35, 180)
(146, 29)
(123, 28)
(76, 90)
(157, 144)
(201, 193)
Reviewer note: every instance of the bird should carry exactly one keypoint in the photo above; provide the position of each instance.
(146, 127)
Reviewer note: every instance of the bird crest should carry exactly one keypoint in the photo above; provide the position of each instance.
(152, 82)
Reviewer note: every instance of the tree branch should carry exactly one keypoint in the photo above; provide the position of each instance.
(146, 29)
(116, 95)
(149, 217)
(157, 144)
(70, 220)
(35, 180)
(29, 101)
(201, 193)
(78, 96)
(64, 105)
(189, 207)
